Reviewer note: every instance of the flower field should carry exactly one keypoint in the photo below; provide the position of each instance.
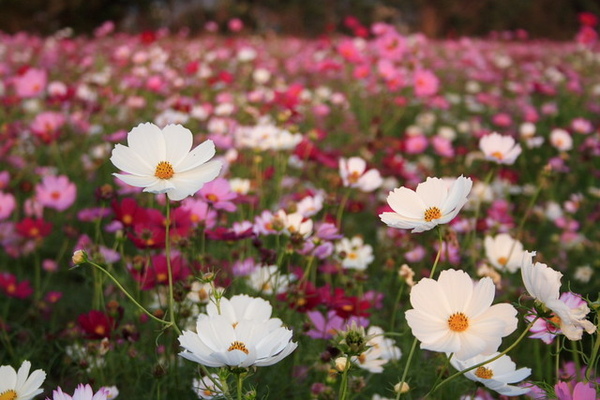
(377, 216)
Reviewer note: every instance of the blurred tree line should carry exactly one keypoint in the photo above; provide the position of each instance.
(554, 19)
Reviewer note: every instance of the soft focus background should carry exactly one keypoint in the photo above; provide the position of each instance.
(552, 19)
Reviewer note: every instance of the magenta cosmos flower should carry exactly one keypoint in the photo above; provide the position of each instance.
(160, 161)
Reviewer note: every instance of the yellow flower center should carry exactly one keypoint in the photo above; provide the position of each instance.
(458, 322)
(432, 213)
(100, 330)
(8, 395)
(484, 373)
(238, 346)
(353, 177)
(498, 155)
(502, 261)
(212, 197)
(164, 170)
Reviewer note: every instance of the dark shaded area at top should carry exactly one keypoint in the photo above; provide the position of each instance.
(552, 19)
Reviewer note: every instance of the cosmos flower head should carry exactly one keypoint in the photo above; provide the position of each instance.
(354, 174)
(495, 375)
(160, 161)
(82, 392)
(434, 202)
(20, 385)
(500, 149)
(503, 252)
(453, 314)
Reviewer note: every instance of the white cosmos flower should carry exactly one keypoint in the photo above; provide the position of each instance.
(20, 385)
(455, 315)
(434, 202)
(355, 253)
(219, 343)
(504, 252)
(543, 284)
(499, 148)
(160, 161)
(353, 172)
(495, 375)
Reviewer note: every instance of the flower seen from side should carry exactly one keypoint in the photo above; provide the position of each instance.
(455, 315)
(579, 391)
(160, 161)
(495, 375)
(20, 385)
(543, 284)
(500, 149)
(434, 202)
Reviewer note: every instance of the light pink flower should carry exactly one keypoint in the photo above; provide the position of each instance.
(56, 192)
(31, 83)
(353, 172)
(425, 82)
(7, 205)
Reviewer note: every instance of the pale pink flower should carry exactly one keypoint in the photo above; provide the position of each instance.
(500, 149)
(31, 84)
(561, 139)
(56, 192)
(7, 205)
(354, 174)
(46, 126)
(218, 194)
(82, 392)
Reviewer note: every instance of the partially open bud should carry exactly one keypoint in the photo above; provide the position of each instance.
(79, 257)
(401, 387)
(341, 363)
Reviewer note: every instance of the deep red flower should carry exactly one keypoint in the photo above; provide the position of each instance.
(12, 288)
(155, 272)
(31, 228)
(96, 324)
(588, 19)
(128, 211)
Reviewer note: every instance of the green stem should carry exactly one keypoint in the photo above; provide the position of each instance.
(171, 300)
(414, 343)
(240, 384)
(130, 297)
(341, 209)
(592, 360)
(396, 304)
(509, 348)
(344, 383)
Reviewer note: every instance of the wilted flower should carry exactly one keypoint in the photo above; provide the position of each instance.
(160, 161)
(434, 202)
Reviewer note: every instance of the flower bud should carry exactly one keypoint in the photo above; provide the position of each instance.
(79, 257)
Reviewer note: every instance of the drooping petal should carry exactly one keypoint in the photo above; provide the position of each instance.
(137, 181)
(189, 182)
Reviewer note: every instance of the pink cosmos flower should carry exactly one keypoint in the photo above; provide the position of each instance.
(218, 194)
(326, 327)
(31, 83)
(7, 205)
(46, 126)
(425, 83)
(546, 330)
(200, 212)
(581, 391)
(56, 192)
(82, 392)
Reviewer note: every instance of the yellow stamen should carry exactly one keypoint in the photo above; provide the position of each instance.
(8, 395)
(238, 346)
(212, 197)
(458, 322)
(432, 213)
(498, 155)
(502, 261)
(100, 330)
(484, 373)
(164, 170)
